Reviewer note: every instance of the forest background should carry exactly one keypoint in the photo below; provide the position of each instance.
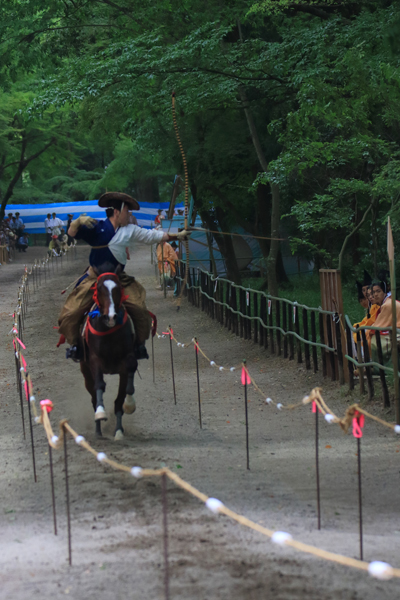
(289, 113)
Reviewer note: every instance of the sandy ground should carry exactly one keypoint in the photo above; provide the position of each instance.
(117, 521)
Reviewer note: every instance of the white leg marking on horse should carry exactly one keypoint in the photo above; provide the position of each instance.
(129, 405)
(100, 414)
(110, 285)
(118, 435)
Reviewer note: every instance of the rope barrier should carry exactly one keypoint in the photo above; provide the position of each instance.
(217, 507)
(315, 395)
(376, 569)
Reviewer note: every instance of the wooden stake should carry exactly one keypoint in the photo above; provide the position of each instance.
(395, 357)
(196, 350)
(165, 536)
(67, 497)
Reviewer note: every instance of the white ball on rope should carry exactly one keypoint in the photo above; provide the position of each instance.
(279, 406)
(397, 428)
(212, 364)
(137, 472)
(306, 399)
(101, 456)
(268, 400)
(54, 439)
(32, 399)
(214, 505)
(329, 418)
(232, 369)
(380, 570)
(221, 368)
(79, 439)
(281, 537)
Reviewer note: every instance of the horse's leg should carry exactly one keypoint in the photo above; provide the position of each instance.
(119, 430)
(99, 386)
(89, 385)
(129, 405)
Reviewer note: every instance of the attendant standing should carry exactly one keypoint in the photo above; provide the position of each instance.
(70, 217)
(19, 225)
(47, 228)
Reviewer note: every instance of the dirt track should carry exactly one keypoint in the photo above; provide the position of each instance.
(116, 520)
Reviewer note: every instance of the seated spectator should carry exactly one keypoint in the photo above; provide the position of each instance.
(63, 240)
(54, 246)
(22, 243)
(366, 301)
(382, 297)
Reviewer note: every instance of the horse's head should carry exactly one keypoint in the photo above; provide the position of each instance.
(109, 296)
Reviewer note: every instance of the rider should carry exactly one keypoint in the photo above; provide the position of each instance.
(109, 240)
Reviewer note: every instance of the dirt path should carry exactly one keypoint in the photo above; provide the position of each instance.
(116, 520)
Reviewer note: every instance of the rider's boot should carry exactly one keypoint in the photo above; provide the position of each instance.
(141, 352)
(75, 352)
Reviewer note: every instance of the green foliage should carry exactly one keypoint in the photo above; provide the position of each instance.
(322, 81)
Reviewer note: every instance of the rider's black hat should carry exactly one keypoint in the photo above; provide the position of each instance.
(115, 200)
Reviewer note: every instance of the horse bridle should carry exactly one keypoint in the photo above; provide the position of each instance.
(89, 326)
(95, 295)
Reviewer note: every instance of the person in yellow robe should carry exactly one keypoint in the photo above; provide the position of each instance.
(367, 302)
(370, 317)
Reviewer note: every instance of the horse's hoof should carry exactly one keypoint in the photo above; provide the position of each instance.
(129, 406)
(118, 435)
(100, 414)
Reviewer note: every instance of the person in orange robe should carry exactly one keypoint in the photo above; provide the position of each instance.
(382, 297)
(372, 311)
(366, 301)
(170, 257)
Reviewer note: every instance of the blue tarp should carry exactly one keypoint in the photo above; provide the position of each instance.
(33, 215)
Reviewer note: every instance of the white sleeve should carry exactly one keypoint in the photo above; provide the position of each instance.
(127, 236)
(144, 236)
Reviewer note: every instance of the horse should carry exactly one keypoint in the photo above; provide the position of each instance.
(109, 349)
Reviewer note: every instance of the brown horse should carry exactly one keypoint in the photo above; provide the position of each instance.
(109, 349)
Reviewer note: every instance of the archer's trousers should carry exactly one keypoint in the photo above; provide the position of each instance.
(80, 301)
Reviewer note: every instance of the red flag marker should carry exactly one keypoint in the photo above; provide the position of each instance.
(245, 377)
(358, 424)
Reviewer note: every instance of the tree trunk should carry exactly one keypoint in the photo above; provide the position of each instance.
(224, 243)
(374, 232)
(23, 163)
(356, 228)
(275, 208)
(274, 249)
